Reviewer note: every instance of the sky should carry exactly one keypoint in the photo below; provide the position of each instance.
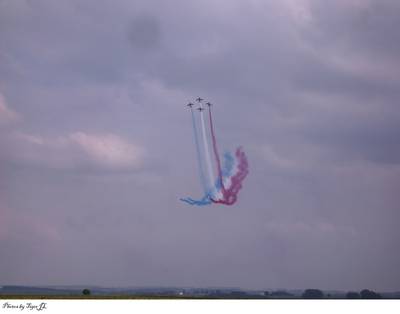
(96, 144)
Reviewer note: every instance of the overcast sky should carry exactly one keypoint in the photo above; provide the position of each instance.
(96, 144)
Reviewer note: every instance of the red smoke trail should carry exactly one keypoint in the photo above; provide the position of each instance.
(216, 153)
(230, 195)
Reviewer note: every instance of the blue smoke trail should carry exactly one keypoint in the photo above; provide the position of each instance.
(203, 202)
(228, 165)
(206, 198)
(227, 171)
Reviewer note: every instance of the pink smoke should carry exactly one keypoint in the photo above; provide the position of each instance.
(230, 194)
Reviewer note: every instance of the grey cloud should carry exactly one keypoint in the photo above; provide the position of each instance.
(145, 33)
(75, 151)
(319, 130)
(318, 75)
(7, 115)
(366, 27)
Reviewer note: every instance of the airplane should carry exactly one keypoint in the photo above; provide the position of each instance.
(199, 99)
(209, 104)
(200, 109)
(190, 105)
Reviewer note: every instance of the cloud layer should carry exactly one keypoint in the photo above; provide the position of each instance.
(95, 143)
(7, 116)
(76, 150)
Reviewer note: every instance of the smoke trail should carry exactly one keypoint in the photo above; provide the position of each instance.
(206, 198)
(218, 161)
(203, 202)
(207, 152)
(226, 174)
(228, 167)
(225, 188)
(243, 169)
(197, 144)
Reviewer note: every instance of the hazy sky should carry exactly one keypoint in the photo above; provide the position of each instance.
(96, 144)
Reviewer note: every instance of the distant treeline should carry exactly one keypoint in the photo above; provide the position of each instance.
(195, 293)
(319, 294)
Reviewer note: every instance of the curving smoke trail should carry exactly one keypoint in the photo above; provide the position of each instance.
(226, 175)
(230, 196)
(202, 202)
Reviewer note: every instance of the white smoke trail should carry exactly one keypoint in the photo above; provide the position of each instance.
(207, 153)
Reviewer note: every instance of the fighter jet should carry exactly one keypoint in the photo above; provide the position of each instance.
(199, 99)
(190, 105)
(200, 109)
(209, 104)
